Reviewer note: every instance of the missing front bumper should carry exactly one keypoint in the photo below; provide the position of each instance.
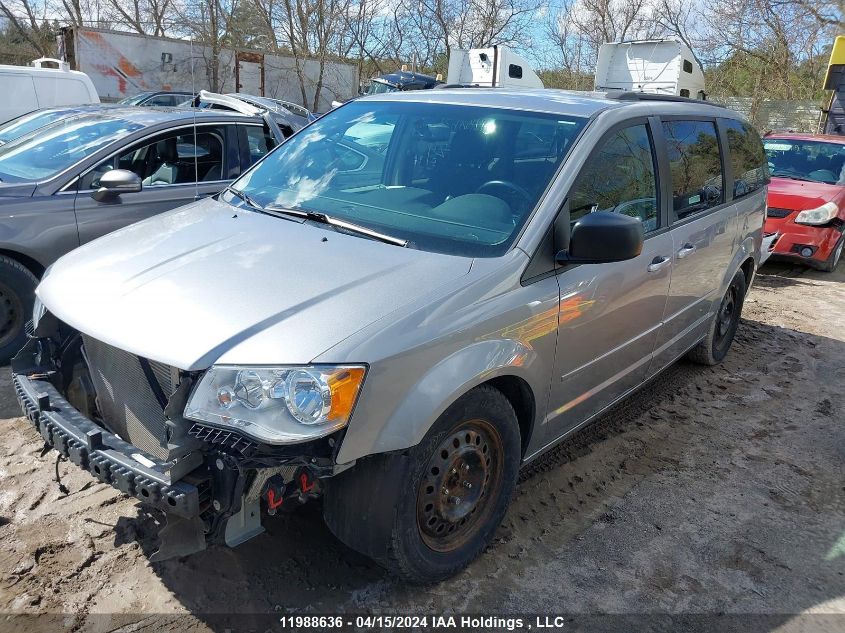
(103, 454)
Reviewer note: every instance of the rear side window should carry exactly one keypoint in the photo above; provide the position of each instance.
(162, 100)
(748, 158)
(259, 141)
(695, 166)
(619, 177)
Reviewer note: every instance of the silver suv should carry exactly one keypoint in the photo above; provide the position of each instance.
(395, 310)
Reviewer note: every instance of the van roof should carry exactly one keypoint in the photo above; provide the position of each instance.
(6, 68)
(564, 102)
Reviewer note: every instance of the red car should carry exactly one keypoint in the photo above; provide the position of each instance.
(807, 197)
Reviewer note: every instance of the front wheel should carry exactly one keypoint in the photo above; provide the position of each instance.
(448, 498)
(713, 349)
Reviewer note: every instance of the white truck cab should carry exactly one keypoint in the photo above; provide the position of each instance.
(28, 88)
(494, 67)
(661, 66)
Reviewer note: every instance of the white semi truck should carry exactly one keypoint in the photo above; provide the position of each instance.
(662, 66)
(494, 67)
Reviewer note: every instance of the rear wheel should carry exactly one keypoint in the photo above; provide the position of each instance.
(716, 344)
(17, 293)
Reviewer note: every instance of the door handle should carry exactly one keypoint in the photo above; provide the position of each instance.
(686, 249)
(658, 263)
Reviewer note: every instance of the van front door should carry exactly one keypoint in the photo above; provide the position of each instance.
(610, 313)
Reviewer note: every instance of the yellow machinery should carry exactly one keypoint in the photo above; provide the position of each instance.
(832, 119)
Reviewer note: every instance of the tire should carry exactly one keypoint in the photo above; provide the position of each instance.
(471, 454)
(714, 347)
(17, 294)
(829, 265)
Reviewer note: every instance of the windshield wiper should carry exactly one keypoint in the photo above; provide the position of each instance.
(791, 177)
(245, 197)
(323, 218)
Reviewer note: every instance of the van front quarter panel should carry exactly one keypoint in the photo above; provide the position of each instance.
(424, 359)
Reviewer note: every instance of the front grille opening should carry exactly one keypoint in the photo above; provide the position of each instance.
(126, 402)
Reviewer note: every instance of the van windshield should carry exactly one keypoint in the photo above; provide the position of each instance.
(48, 151)
(455, 179)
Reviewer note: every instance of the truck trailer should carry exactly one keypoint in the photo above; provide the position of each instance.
(123, 64)
(661, 66)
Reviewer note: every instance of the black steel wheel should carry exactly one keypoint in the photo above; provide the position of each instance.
(714, 347)
(453, 496)
(426, 512)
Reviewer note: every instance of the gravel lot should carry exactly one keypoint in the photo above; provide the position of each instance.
(714, 490)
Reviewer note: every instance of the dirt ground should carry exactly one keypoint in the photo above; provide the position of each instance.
(713, 491)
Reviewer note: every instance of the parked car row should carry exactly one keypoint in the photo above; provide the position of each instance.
(71, 174)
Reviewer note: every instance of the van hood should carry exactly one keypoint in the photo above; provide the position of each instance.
(212, 283)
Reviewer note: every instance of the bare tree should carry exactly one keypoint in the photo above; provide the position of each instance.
(580, 27)
(28, 20)
(141, 16)
(208, 23)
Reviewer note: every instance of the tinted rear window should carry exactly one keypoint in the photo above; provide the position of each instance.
(748, 159)
(695, 166)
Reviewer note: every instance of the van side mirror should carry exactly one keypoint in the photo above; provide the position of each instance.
(601, 237)
(115, 182)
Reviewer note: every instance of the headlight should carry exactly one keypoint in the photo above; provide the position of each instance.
(277, 405)
(819, 215)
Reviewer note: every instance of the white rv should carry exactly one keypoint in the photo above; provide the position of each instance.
(494, 67)
(665, 66)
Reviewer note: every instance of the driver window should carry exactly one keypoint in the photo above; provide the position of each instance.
(619, 177)
(175, 158)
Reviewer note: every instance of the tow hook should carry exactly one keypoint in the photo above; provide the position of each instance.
(277, 492)
(274, 493)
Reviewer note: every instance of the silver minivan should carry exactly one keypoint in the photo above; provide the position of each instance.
(395, 310)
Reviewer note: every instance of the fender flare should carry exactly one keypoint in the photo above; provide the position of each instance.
(745, 251)
(440, 386)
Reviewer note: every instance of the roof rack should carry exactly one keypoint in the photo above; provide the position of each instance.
(629, 95)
